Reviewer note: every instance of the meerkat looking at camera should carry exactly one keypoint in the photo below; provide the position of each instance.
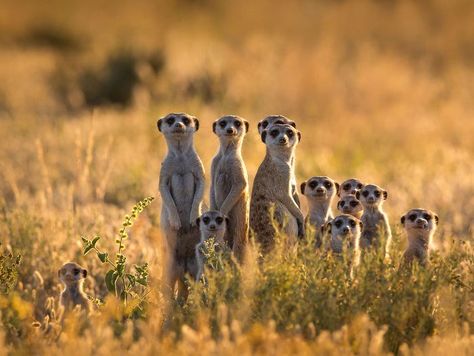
(181, 187)
(420, 226)
(266, 124)
(350, 186)
(350, 204)
(272, 204)
(229, 192)
(345, 232)
(374, 218)
(72, 276)
(319, 192)
(212, 224)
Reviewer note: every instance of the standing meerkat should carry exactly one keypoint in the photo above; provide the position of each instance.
(319, 192)
(272, 189)
(350, 186)
(182, 188)
(72, 276)
(420, 226)
(374, 218)
(350, 204)
(266, 124)
(345, 232)
(212, 224)
(229, 180)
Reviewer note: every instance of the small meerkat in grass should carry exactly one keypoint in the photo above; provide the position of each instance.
(344, 232)
(350, 186)
(375, 220)
(72, 276)
(420, 226)
(212, 224)
(350, 204)
(319, 192)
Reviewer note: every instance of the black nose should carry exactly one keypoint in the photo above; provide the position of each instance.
(212, 227)
(229, 131)
(320, 190)
(179, 124)
(282, 140)
(345, 230)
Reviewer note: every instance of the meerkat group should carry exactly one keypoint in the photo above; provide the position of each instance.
(273, 207)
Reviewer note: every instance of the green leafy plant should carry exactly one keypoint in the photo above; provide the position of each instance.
(9, 263)
(126, 285)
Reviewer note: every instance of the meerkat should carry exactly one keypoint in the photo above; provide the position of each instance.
(212, 224)
(72, 276)
(229, 192)
(420, 226)
(350, 204)
(345, 233)
(374, 218)
(181, 186)
(350, 186)
(272, 188)
(319, 192)
(266, 124)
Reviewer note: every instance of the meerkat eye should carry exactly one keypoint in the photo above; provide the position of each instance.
(170, 121)
(222, 124)
(342, 203)
(427, 217)
(274, 133)
(265, 124)
(219, 220)
(359, 186)
(186, 121)
(347, 186)
(365, 193)
(313, 184)
(352, 223)
(76, 271)
(237, 123)
(377, 194)
(328, 184)
(278, 122)
(354, 203)
(412, 217)
(338, 223)
(290, 133)
(206, 220)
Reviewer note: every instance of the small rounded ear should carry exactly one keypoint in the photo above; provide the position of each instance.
(158, 124)
(361, 224)
(197, 221)
(247, 125)
(258, 125)
(336, 184)
(358, 195)
(292, 123)
(84, 273)
(385, 195)
(196, 123)
(214, 124)
(263, 136)
(436, 219)
(302, 187)
(402, 220)
(299, 136)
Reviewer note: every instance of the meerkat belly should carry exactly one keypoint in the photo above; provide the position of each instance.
(285, 220)
(182, 190)
(223, 185)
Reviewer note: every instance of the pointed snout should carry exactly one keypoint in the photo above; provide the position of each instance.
(283, 140)
(345, 230)
(212, 227)
(319, 190)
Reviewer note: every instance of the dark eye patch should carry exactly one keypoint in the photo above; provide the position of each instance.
(412, 217)
(170, 121)
(313, 184)
(290, 133)
(342, 202)
(338, 223)
(377, 193)
(206, 220)
(359, 186)
(279, 122)
(354, 203)
(365, 193)
(347, 186)
(76, 271)
(222, 124)
(265, 124)
(237, 123)
(427, 217)
(219, 220)
(352, 223)
(186, 121)
(274, 133)
(328, 184)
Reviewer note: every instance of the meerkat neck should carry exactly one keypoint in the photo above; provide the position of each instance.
(228, 146)
(371, 209)
(75, 288)
(285, 155)
(178, 146)
(320, 209)
(419, 241)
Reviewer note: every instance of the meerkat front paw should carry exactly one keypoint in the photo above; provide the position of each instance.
(175, 222)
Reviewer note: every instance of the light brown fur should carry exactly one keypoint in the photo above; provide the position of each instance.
(72, 276)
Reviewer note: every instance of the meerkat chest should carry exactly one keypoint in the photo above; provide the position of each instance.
(372, 219)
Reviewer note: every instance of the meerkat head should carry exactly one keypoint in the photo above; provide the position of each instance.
(274, 120)
(230, 127)
(178, 125)
(213, 224)
(281, 137)
(350, 204)
(350, 186)
(372, 196)
(421, 221)
(319, 188)
(344, 230)
(72, 274)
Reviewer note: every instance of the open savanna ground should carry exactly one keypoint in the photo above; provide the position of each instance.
(380, 90)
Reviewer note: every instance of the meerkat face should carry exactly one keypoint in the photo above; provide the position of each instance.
(281, 136)
(178, 125)
(319, 188)
(71, 273)
(372, 195)
(213, 224)
(420, 220)
(350, 186)
(274, 120)
(349, 204)
(230, 127)
(344, 229)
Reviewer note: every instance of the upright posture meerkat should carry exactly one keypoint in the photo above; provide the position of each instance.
(182, 188)
(266, 124)
(350, 204)
(72, 276)
(272, 188)
(229, 181)
(420, 226)
(350, 186)
(212, 224)
(345, 232)
(319, 192)
(374, 218)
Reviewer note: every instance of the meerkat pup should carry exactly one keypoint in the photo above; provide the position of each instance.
(72, 276)
(345, 232)
(420, 226)
(374, 218)
(319, 192)
(181, 187)
(350, 204)
(350, 186)
(266, 124)
(271, 194)
(229, 180)
(212, 224)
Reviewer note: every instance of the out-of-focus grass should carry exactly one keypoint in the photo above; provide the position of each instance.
(381, 90)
